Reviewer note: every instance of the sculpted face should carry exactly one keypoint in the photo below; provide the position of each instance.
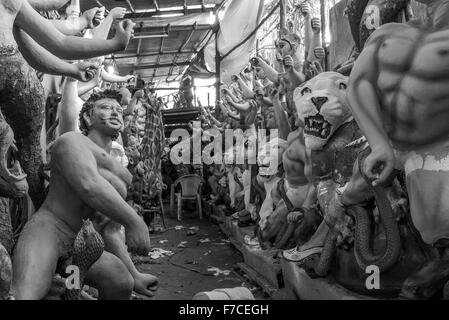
(260, 73)
(106, 116)
(285, 48)
(270, 156)
(322, 106)
(270, 120)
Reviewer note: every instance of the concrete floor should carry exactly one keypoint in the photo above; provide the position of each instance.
(185, 273)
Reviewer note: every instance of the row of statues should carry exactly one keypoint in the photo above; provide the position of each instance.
(364, 169)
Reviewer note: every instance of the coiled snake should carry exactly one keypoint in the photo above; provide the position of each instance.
(87, 249)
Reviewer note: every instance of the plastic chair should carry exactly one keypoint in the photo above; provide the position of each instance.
(190, 190)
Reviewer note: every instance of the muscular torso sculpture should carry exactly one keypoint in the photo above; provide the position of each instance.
(412, 68)
(61, 200)
(85, 179)
(400, 102)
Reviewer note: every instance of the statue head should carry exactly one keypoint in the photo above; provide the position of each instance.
(288, 43)
(102, 112)
(322, 107)
(269, 157)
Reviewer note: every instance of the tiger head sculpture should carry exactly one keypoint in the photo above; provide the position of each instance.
(322, 107)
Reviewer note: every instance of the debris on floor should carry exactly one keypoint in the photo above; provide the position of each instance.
(218, 271)
(157, 253)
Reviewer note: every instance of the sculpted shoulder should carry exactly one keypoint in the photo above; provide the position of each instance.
(11, 6)
(69, 142)
(392, 30)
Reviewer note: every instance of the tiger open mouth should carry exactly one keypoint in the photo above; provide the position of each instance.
(265, 172)
(317, 126)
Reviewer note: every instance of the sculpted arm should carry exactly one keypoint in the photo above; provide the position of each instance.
(365, 106)
(133, 103)
(270, 72)
(85, 87)
(70, 107)
(80, 170)
(42, 60)
(281, 119)
(102, 31)
(308, 34)
(231, 113)
(247, 92)
(68, 47)
(39, 58)
(47, 5)
(113, 78)
(315, 44)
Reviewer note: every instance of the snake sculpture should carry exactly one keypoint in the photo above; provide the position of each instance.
(87, 249)
(363, 252)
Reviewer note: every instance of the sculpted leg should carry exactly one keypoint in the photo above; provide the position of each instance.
(145, 284)
(34, 262)
(111, 277)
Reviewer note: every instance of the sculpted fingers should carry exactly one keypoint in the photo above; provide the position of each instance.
(316, 25)
(305, 8)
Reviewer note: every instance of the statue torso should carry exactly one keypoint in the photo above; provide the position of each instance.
(110, 169)
(413, 85)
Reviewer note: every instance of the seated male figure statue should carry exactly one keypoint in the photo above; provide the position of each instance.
(84, 179)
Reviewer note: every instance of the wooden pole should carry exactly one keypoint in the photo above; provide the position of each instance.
(323, 31)
(217, 65)
(282, 14)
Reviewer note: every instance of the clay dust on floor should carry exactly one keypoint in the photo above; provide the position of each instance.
(191, 256)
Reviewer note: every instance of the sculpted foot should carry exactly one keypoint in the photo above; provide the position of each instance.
(313, 247)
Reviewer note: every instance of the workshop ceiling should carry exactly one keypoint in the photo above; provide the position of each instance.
(167, 36)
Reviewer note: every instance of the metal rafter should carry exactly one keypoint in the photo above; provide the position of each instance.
(156, 5)
(162, 65)
(154, 53)
(130, 6)
(186, 40)
(172, 67)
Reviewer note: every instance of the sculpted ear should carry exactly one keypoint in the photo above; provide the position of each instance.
(87, 119)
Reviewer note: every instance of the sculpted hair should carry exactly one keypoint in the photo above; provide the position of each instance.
(89, 105)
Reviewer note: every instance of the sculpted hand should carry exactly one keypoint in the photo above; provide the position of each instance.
(98, 76)
(85, 71)
(316, 25)
(145, 284)
(312, 69)
(288, 62)
(305, 9)
(138, 238)
(94, 16)
(379, 164)
(130, 77)
(117, 13)
(124, 32)
(139, 94)
(294, 216)
(319, 53)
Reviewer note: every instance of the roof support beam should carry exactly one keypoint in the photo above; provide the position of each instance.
(188, 38)
(154, 53)
(143, 16)
(130, 6)
(156, 5)
(175, 28)
(162, 65)
(170, 72)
